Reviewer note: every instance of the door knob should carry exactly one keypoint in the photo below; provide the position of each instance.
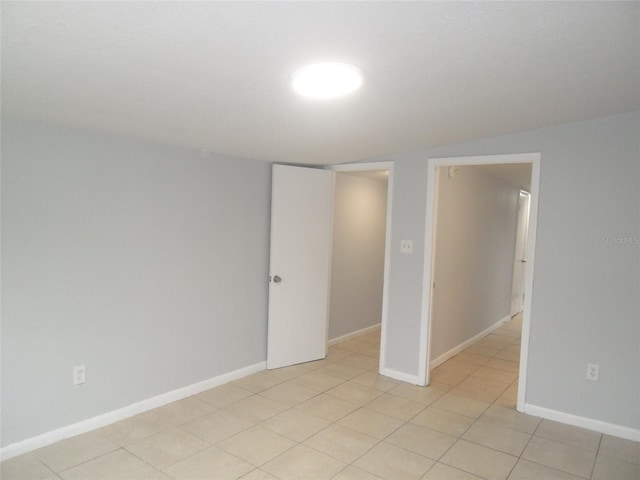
(277, 279)
(524, 260)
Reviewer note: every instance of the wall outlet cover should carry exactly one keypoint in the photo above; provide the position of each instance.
(406, 246)
(593, 372)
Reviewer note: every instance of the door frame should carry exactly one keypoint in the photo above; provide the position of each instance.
(429, 256)
(372, 166)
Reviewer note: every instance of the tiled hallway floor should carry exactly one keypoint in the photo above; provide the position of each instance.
(337, 419)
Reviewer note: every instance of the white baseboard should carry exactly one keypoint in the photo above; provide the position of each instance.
(104, 419)
(459, 348)
(403, 377)
(333, 341)
(584, 422)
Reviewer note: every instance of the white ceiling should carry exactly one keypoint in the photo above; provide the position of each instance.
(215, 75)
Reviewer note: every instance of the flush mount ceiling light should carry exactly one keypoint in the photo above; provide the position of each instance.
(327, 80)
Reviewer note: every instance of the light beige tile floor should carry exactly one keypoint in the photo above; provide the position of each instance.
(338, 419)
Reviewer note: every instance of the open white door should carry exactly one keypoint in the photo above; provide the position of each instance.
(520, 257)
(301, 223)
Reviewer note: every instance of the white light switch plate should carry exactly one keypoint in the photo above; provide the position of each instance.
(79, 374)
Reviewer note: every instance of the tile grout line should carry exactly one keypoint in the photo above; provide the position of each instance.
(293, 407)
(335, 422)
(595, 459)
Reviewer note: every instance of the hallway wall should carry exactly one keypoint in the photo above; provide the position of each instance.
(357, 275)
(475, 241)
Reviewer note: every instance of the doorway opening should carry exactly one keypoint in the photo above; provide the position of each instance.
(360, 254)
(476, 244)
(300, 262)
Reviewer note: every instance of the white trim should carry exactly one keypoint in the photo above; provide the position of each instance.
(403, 377)
(528, 282)
(93, 423)
(342, 338)
(584, 422)
(387, 247)
(361, 167)
(425, 322)
(428, 267)
(330, 259)
(456, 350)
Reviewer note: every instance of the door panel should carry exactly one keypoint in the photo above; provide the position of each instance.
(519, 262)
(301, 222)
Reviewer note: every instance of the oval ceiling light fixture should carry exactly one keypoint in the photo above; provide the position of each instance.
(327, 80)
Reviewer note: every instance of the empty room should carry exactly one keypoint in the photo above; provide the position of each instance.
(320, 240)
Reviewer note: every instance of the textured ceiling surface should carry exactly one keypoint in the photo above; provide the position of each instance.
(215, 76)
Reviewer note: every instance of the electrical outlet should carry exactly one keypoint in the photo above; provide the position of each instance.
(406, 246)
(593, 371)
(79, 374)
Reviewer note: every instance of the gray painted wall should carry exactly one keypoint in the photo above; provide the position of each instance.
(475, 241)
(357, 271)
(586, 302)
(146, 263)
